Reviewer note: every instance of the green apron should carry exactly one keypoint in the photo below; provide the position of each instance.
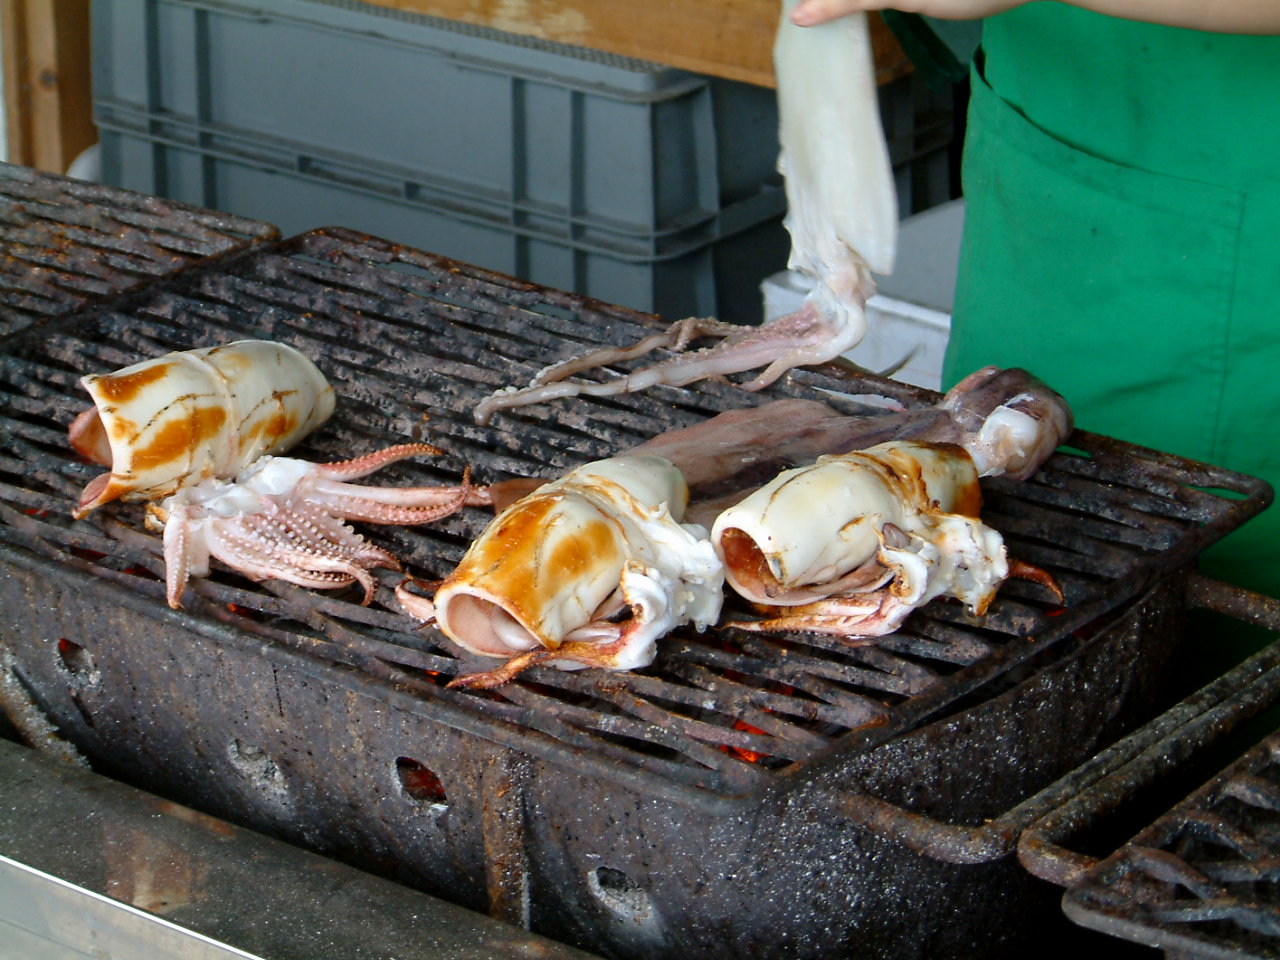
(1122, 239)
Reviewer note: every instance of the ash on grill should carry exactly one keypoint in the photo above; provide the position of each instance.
(66, 242)
(329, 712)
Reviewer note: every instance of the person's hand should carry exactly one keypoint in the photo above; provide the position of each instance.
(812, 12)
(1222, 16)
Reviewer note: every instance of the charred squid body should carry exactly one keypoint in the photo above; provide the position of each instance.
(854, 543)
(183, 425)
(282, 519)
(174, 421)
(589, 570)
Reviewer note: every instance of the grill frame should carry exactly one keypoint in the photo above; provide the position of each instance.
(275, 739)
(1160, 888)
(337, 273)
(305, 703)
(1198, 880)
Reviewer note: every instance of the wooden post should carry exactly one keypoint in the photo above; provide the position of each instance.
(723, 38)
(48, 101)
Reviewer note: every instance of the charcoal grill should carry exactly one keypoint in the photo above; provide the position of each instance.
(68, 241)
(786, 792)
(1201, 880)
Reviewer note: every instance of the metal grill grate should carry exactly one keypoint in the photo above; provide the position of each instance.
(411, 342)
(1203, 880)
(64, 242)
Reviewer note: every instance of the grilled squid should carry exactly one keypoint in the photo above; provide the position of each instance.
(852, 544)
(282, 519)
(174, 421)
(194, 433)
(588, 570)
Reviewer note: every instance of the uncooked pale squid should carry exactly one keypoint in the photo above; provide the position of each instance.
(1007, 420)
(842, 216)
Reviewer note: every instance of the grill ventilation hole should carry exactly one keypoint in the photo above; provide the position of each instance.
(624, 898)
(420, 784)
(82, 675)
(252, 763)
(78, 663)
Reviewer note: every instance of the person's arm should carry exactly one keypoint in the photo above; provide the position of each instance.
(1219, 16)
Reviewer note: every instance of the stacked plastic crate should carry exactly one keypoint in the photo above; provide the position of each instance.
(620, 179)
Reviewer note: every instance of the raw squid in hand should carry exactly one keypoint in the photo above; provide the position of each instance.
(589, 570)
(842, 216)
(182, 425)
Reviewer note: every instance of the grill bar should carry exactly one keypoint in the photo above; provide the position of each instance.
(411, 342)
(66, 242)
(1203, 880)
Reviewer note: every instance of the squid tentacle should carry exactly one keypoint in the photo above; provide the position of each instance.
(407, 506)
(362, 466)
(309, 530)
(240, 546)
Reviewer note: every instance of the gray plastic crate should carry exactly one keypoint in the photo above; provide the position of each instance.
(612, 177)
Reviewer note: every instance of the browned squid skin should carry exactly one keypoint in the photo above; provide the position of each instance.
(729, 455)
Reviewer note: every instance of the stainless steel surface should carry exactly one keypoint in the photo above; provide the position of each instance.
(92, 868)
(43, 916)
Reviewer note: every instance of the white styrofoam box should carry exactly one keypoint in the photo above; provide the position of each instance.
(909, 320)
(928, 255)
(904, 340)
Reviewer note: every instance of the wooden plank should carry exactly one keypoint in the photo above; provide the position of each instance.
(722, 38)
(48, 100)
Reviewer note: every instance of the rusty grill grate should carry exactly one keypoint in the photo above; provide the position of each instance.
(1204, 879)
(64, 242)
(411, 342)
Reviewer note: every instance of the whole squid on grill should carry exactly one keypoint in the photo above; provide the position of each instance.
(842, 217)
(853, 543)
(196, 430)
(588, 570)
